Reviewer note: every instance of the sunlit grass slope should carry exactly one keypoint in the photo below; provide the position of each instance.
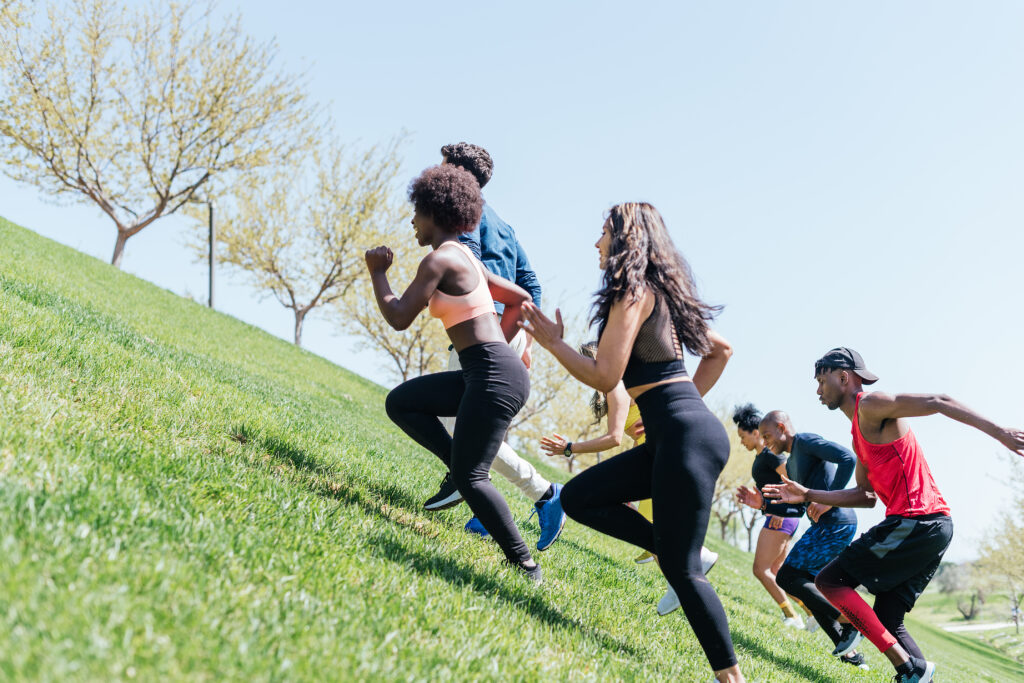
(185, 496)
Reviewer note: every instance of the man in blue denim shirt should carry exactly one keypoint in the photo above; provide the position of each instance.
(494, 242)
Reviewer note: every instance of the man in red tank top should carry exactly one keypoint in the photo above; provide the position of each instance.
(897, 558)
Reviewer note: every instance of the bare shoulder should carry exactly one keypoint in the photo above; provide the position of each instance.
(875, 399)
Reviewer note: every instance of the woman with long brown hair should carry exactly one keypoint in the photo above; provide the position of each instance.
(647, 311)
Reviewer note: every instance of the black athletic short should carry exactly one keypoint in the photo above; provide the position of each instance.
(899, 555)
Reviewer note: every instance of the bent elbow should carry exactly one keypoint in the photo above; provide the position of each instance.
(616, 439)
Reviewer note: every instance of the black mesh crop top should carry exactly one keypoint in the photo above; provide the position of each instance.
(657, 354)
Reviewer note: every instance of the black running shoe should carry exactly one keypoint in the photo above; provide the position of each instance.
(856, 659)
(849, 641)
(920, 671)
(533, 574)
(446, 496)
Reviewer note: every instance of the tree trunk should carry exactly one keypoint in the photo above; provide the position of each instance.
(300, 316)
(119, 249)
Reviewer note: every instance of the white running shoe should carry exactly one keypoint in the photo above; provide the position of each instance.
(793, 622)
(669, 602)
(707, 559)
(811, 624)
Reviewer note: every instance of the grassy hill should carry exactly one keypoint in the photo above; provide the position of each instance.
(184, 496)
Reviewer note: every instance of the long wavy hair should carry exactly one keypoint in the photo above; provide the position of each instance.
(642, 256)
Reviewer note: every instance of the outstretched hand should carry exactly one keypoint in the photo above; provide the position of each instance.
(379, 259)
(542, 328)
(554, 444)
(1013, 439)
(788, 491)
(749, 497)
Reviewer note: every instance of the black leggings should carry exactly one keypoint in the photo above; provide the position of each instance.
(676, 468)
(483, 397)
(889, 607)
(800, 584)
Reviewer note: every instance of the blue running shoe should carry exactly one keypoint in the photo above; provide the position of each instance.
(551, 518)
(474, 526)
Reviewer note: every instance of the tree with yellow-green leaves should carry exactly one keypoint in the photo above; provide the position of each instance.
(559, 403)
(725, 509)
(299, 231)
(135, 109)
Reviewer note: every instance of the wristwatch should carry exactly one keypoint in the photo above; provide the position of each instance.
(568, 450)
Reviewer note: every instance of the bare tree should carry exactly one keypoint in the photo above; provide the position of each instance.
(299, 232)
(1002, 558)
(724, 506)
(136, 110)
(749, 517)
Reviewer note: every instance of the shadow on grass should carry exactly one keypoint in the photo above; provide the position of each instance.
(462, 575)
(394, 505)
(388, 502)
(787, 664)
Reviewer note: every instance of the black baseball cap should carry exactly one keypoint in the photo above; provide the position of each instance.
(843, 358)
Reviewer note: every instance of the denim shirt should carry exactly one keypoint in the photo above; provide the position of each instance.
(823, 465)
(494, 242)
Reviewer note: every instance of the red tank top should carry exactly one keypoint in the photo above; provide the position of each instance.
(899, 473)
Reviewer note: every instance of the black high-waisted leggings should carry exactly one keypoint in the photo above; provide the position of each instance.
(676, 468)
(484, 396)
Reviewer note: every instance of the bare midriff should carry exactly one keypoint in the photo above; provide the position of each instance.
(478, 330)
(641, 388)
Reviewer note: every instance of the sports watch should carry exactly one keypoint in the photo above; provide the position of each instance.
(568, 450)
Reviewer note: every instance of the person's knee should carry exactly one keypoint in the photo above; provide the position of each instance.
(466, 478)
(394, 404)
(570, 499)
(785, 577)
(761, 569)
(826, 582)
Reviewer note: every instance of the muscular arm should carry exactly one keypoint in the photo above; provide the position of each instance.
(401, 311)
(618, 408)
(877, 407)
(861, 496)
(712, 365)
(613, 350)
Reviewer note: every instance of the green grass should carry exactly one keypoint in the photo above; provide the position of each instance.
(185, 496)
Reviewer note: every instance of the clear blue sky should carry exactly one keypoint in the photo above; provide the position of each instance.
(836, 175)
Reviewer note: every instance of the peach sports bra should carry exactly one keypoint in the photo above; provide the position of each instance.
(454, 309)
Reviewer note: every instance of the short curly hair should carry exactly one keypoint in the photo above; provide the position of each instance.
(747, 417)
(473, 158)
(450, 196)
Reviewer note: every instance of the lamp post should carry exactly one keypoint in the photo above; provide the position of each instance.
(212, 252)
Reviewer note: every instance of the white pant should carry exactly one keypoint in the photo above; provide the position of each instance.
(507, 462)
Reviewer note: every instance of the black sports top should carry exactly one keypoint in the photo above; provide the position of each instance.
(657, 354)
(764, 472)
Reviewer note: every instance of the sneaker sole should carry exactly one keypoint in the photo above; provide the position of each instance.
(645, 560)
(451, 501)
(853, 646)
(560, 527)
(929, 671)
(665, 614)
